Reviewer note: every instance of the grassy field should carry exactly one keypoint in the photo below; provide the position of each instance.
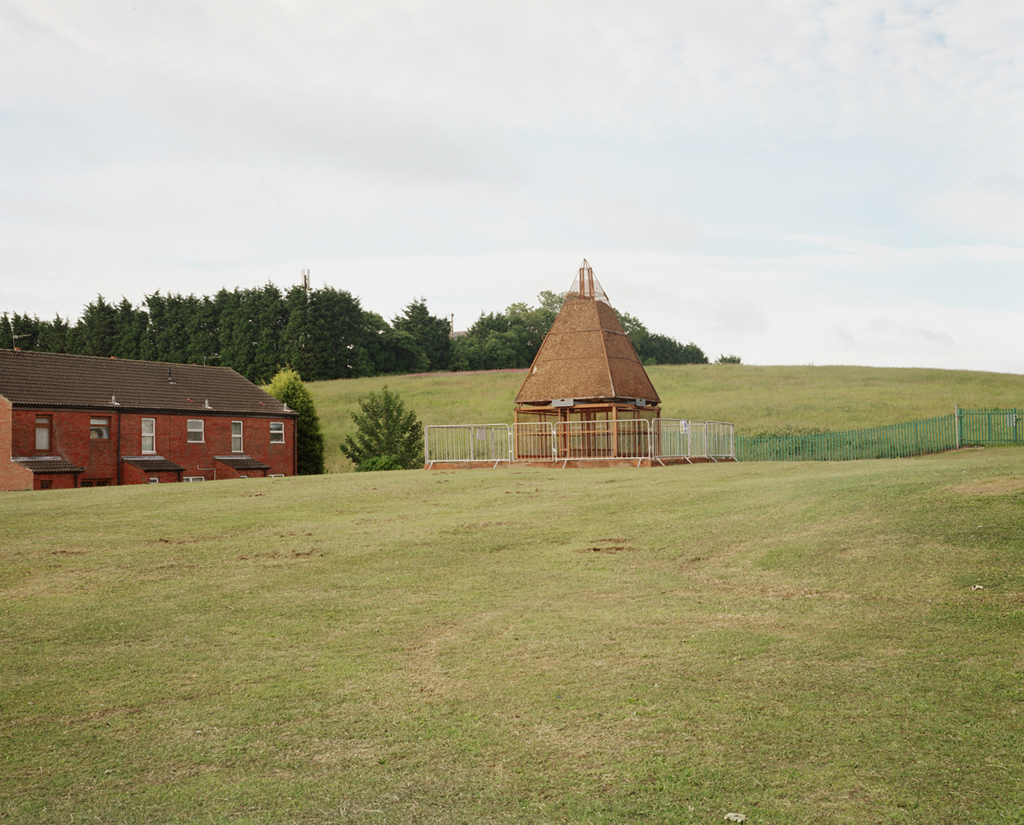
(758, 400)
(798, 643)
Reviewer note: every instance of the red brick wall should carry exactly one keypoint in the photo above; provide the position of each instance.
(12, 476)
(69, 437)
(56, 481)
(133, 475)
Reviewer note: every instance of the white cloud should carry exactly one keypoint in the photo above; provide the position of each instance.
(991, 207)
(750, 172)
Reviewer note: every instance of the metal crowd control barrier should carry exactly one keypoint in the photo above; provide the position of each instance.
(595, 440)
(534, 442)
(452, 443)
(631, 440)
(680, 438)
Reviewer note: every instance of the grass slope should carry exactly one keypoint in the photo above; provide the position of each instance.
(758, 400)
(800, 643)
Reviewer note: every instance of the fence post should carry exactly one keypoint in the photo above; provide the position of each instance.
(956, 414)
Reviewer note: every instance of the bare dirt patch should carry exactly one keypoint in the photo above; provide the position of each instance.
(991, 487)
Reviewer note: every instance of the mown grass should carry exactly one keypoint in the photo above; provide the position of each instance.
(758, 400)
(800, 643)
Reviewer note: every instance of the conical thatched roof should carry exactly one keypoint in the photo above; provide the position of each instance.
(586, 355)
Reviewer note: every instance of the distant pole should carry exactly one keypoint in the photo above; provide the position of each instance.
(305, 280)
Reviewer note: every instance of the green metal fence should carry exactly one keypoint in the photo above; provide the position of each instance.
(994, 426)
(964, 428)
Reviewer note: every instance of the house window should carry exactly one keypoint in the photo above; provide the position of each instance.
(43, 432)
(99, 429)
(194, 478)
(154, 481)
(195, 429)
(277, 432)
(45, 484)
(236, 436)
(148, 435)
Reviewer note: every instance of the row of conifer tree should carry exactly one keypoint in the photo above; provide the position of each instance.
(323, 334)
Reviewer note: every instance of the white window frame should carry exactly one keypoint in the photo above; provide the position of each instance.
(195, 426)
(236, 437)
(277, 432)
(151, 435)
(194, 478)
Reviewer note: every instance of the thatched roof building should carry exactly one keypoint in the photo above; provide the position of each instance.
(586, 368)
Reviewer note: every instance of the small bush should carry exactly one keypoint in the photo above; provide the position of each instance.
(381, 462)
(388, 434)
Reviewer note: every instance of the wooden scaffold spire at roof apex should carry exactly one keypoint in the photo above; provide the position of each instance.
(586, 368)
(587, 286)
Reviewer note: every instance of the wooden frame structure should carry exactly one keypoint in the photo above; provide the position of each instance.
(587, 371)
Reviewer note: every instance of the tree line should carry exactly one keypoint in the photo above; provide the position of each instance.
(322, 334)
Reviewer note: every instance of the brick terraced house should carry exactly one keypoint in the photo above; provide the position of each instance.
(77, 421)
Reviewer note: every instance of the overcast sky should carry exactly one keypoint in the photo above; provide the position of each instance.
(791, 181)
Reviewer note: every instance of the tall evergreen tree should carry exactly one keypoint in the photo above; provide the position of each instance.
(267, 309)
(323, 330)
(202, 329)
(131, 329)
(95, 332)
(372, 353)
(252, 325)
(432, 336)
(20, 331)
(325, 333)
(228, 312)
(53, 335)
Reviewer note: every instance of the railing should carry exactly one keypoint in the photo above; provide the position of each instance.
(639, 439)
(448, 443)
(534, 442)
(582, 441)
(964, 428)
(990, 426)
(680, 438)
(628, 440)
(593, 440)
(896, 441)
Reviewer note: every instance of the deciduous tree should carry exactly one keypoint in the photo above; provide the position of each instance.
(388, 437)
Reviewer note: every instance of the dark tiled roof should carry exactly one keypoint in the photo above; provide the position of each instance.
(241, 462)
(50, 379)
(153, 463)
(48, 464)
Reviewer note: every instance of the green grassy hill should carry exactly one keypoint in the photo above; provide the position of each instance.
(758, 400)
(798, 643)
